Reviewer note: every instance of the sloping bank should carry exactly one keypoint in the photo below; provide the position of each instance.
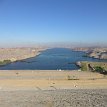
(10, 55)
(100, 67)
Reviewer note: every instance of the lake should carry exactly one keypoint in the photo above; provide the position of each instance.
(51, 59)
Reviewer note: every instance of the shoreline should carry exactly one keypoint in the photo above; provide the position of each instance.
(12, 59)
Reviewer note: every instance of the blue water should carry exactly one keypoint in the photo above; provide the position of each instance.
(51, 59)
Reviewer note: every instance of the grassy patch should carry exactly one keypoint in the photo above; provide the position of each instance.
(84, 66)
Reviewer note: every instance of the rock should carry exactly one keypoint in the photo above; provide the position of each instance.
(103, 55)
(78, 63)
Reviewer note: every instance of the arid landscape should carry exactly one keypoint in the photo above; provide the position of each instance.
(52, 89)
(15, 54)
(50, 80)
(94, 52)
(53, 53)
(54, 98)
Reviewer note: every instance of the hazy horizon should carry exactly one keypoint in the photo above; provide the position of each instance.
(53, 22)
(56, 45)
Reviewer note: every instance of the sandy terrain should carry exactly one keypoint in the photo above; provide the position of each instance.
(49, 80)
(15, 54)
(19, 88)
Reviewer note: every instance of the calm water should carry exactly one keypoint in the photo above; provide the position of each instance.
(51, 59)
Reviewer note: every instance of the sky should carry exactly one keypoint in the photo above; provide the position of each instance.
(30, 22)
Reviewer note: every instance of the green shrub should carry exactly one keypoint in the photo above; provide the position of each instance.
(99, 69)
(5, 62)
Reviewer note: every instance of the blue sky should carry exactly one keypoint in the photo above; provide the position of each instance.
(42, 21)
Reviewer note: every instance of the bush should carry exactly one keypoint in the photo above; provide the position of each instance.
(99, 69)
(5, 62)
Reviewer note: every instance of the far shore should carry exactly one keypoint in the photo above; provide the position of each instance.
(8, 55)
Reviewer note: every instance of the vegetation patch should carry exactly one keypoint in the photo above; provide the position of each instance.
(5, 62)
(100, 70)
(84, 66)
(100, 67)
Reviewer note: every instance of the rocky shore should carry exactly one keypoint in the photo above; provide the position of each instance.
(94, 52)
(97, 54)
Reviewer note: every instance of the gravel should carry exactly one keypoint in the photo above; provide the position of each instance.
(54, 98)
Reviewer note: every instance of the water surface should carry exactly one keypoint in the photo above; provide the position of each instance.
(51, 59)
